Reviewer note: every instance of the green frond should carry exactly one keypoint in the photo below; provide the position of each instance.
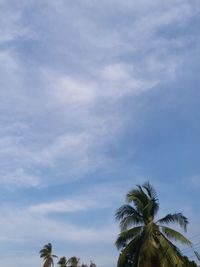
(128, 216)
(48, 247)
(62, 262)
(145, 200)
(171, 255)
(139, 199)
(175, 218)
(131, 249)
(172, 234)
(126, 236)
(130, 221)
(126, 210)
(150, 190)
(151, 209)
(148, 251)
(74, 261)
(46, 254)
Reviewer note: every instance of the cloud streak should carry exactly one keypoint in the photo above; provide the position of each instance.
(78, 79)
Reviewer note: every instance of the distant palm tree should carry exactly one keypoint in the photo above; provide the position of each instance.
(144, 242)
(62, 262)
(92, 264)
(46, 254)
(73, 261)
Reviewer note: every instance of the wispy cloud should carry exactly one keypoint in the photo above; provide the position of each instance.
(61, 111)
(92, 200)
(75, 80)
(18, 178)
(34, 227)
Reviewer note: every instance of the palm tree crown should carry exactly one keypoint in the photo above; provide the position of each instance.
(143, 241)
(62, 262)
(73, 261)
(46, 254)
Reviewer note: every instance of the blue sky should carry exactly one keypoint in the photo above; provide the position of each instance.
(96, 97)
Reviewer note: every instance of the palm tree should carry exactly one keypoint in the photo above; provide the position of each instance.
(144, 241)
(73, 261)
(62, 262)
(46, 254)
(92, 264)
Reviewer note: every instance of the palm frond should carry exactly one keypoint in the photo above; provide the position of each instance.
(132, 249)
(172, 234)
(62, 262)
(48, 247)
(128, 216)
(171, 255)
(150, 210)
(175, 218)
(145, 200)
(153, 205)
(126, 236)
(74, 261)
(130, 221)
(138, 198)
(150, 190)
(124, 211)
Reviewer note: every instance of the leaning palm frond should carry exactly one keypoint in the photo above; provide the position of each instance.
(128, 216)
(126, 236)
(127, 210)
(172, 234)
(175, 218)
(171, 254)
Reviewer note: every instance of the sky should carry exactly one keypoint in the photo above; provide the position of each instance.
(96, 97)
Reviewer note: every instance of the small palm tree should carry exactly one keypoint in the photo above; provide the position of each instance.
(46, 254)
(144, 241)
(73, 261)
(92, 264)
(62, 262)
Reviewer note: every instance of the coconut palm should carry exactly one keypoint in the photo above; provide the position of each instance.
(92, 264)
(73, 261)
(62, 262)
(143, 240)
(46, 254)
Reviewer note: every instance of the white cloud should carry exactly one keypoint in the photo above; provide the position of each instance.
(34, 228)
(18, 178)
(82, 106)
(92, 200)
(117, 72)
(66, 205)
(60, 97)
